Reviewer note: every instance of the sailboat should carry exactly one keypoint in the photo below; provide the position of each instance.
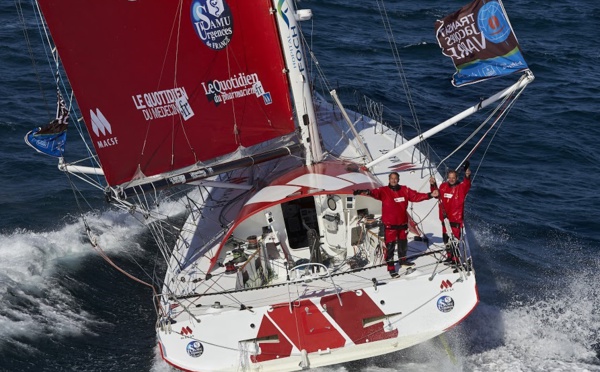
(279, 263)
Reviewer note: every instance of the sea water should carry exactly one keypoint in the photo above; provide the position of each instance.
(533, 209)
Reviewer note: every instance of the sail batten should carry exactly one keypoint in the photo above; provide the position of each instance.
(157, 99)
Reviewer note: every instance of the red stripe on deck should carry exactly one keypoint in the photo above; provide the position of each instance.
(351, 315)
(271, 350)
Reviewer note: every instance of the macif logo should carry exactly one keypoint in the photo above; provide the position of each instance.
(99, 123)
(213, 22)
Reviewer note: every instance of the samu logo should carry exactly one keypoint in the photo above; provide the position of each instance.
(213, 22)
(194, 349)
(445, 304)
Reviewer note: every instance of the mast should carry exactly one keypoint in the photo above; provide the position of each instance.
(291, 43)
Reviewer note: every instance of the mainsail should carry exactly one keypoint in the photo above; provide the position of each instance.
(479, 39)
(162, 86)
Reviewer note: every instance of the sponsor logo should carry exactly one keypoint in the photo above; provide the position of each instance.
(446, 285)
(237, 86)
(445, 304)
(283, 12)
(99, 123)
(293, 40)
(163, 103)
(399, 200)
(194, 349)
(186, 331)
(102, 128)
(492, 23)
(212, 22)
(448, 195)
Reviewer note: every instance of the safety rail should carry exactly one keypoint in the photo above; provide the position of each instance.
(312, 275)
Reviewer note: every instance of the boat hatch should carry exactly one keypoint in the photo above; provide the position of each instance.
(300, 216)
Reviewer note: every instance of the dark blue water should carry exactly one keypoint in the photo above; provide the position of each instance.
(533, 210)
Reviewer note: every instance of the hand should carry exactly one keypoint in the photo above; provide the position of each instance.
(361, 192)
(468, 173)
(435, 193)
(431, 180)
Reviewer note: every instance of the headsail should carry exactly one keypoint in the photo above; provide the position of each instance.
(480, 41)
(165, 85)
(50, 139)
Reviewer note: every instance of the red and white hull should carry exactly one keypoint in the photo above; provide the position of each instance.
(279, 308)
(320, 328)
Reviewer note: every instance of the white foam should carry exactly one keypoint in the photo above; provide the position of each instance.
(32, 300)
(159, 365)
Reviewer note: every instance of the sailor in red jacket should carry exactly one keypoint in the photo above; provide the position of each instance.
(394, 199)
(452, 205)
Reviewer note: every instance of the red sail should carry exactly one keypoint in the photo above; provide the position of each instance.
(165, 84)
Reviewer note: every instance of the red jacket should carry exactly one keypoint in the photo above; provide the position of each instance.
(394, 203)
(453, 199)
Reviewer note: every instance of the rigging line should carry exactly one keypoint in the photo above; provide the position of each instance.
(508, 102)
(494, 135)
(236, 132)
(76, 121)
(77, 192)
(111, 262)
(150, 226)
(224, 292)
(509, 105)
(178, 118)
(476, 146)
(94, 243)
(162, 70)
(163, 249)
(398, 61)
(485, 122)
(502, 116)
(43, 30)
(155, 227)
(173, 119)
(21, 15)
